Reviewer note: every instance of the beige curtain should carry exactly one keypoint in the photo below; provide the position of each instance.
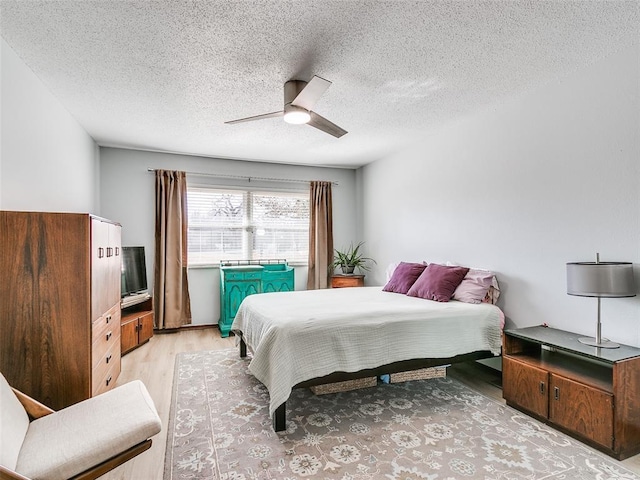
(172, 305)
(320, 235)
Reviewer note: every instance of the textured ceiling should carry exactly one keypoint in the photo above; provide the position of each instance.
(166, 75)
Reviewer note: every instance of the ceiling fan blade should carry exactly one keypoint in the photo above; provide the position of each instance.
(310, 94)
(257, 117)
(325, 125)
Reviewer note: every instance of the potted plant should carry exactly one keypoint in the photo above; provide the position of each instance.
(350, 259)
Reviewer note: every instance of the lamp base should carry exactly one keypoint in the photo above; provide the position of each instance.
(604, 343)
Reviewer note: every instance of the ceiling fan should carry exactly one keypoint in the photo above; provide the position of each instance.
(299, 99)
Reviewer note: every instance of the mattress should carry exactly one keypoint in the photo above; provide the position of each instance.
(301, 335)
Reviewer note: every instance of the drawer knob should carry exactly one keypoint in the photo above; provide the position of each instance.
(108, 380)
(108, 359)
(108, 336)
(542, 388)
(556, 393)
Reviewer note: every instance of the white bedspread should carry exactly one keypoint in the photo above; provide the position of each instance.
(297, 336)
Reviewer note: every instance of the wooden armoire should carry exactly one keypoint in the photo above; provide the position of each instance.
(59, 305)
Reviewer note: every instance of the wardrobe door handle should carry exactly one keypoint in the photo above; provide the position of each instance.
(100, 252)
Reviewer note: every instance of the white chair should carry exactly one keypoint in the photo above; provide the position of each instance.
(82, 441)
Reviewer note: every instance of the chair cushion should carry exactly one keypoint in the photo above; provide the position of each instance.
(72, 440)
(14, 423)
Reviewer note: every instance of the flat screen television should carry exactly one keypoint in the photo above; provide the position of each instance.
(134, 271)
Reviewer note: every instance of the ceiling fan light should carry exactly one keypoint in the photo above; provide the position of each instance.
(296, 116)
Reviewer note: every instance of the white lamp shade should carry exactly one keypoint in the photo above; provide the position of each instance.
(601, 279)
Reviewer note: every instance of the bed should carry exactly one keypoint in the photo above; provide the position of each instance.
(305, 338)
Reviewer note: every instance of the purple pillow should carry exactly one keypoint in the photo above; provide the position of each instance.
(403, 277)
(437, 282)
(474, 286)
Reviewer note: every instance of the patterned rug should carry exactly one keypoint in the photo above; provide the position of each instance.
(219, 428)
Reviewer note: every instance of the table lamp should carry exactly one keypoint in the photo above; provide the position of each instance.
(600, 280)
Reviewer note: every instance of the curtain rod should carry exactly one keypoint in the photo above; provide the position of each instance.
(247, 178)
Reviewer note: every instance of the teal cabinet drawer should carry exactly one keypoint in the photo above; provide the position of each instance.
(250, 275)
(228, 276)
(280, 280)
(253, 276)
(240, 277)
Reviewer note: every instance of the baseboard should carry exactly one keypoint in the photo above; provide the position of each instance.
(200, 326)
(186, 327)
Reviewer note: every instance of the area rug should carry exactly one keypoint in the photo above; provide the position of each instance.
(219, 428)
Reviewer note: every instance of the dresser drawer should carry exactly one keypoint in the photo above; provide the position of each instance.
(105, 322)
(102, 344)
(107, 381)
(104, 364)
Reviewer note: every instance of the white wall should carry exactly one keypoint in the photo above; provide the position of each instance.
(48, 162)
(127, 196)
(523, 188)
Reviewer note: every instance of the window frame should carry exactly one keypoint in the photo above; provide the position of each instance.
(248, 232)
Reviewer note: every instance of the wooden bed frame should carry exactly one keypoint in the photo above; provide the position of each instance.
(280, 415)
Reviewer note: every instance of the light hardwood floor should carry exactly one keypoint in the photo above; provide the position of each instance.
(153, 363)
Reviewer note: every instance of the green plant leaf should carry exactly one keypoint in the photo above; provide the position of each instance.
(352, 257)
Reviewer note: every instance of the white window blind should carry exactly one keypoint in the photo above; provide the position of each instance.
(246, 225)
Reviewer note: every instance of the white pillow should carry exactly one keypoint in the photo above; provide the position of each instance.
(389, 271)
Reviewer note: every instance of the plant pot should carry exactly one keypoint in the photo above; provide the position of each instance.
(347, 269)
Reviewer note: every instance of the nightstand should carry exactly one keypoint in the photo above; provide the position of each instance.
(592, 394)
(340, 281)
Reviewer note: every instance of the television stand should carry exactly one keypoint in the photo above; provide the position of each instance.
(136, 324)
(592, 394)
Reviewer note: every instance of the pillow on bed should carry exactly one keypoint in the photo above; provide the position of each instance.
(404, 276)
(474, 286)
(492, 293)
(438, 282)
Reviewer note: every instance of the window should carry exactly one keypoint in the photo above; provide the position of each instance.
(227, 224)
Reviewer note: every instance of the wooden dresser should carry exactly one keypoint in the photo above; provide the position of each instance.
(60, 305)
